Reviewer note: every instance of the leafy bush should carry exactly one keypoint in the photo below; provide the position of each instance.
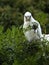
(16, 50)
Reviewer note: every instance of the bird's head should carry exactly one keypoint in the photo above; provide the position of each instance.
(27, 16)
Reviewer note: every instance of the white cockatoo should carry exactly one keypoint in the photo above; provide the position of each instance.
(31, 28)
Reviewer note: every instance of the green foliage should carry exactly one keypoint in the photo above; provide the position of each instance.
(12, 11)
(16, 50)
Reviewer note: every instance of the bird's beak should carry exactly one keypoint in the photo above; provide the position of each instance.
(28, 18)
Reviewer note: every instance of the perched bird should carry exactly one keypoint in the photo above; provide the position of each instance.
(31, 28)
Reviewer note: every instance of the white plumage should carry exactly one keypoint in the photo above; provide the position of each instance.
(29, 32)
(46, 36)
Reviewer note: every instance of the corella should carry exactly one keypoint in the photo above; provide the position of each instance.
(31, 28)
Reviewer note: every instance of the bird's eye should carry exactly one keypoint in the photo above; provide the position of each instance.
(26, 17)
(30, 16)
